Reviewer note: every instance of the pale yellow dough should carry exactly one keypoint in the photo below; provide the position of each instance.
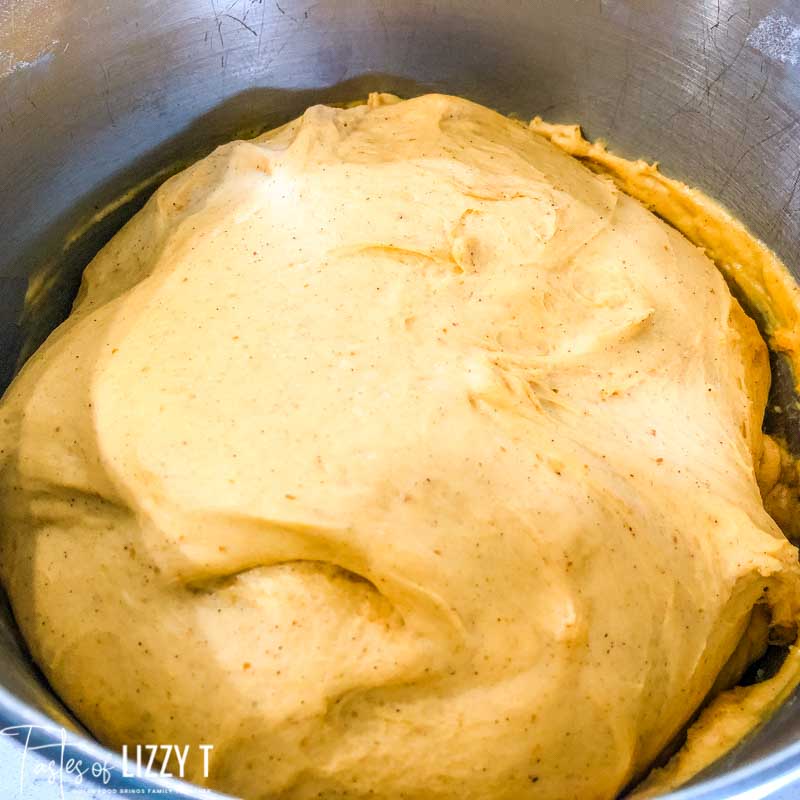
(397, 455)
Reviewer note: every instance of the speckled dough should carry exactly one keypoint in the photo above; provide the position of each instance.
(397, 455)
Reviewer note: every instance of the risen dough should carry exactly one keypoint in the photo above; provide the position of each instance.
(395, 454)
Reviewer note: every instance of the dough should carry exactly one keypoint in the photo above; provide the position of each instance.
(395, 454)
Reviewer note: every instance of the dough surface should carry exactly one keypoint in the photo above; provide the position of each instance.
(395, 454)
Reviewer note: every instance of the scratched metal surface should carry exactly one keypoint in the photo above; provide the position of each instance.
(97, 98)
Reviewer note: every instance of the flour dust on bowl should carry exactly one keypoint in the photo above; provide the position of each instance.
(201, 542)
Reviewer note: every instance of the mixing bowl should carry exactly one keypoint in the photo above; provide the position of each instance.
(101, 101)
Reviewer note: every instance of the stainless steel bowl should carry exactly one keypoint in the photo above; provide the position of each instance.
(99, 101)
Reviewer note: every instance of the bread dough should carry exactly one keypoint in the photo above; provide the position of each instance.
(395, 454)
